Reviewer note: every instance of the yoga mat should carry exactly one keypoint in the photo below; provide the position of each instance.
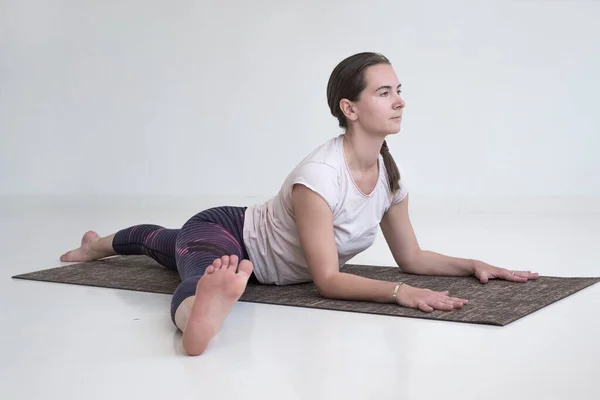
(494, 303)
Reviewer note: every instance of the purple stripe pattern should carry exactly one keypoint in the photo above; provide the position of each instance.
(208, 235)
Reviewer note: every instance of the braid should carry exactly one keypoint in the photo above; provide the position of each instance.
(391, 167)
(385, 148)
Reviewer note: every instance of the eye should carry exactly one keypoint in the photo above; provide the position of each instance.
(384, 93)
(399, 91)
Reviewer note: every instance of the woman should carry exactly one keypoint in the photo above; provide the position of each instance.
(327, 211)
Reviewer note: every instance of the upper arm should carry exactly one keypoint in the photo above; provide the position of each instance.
(399, 234)
(314, 222)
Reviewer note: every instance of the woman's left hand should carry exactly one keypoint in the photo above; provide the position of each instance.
(484, 272)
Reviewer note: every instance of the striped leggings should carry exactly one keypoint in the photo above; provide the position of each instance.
(206, 236)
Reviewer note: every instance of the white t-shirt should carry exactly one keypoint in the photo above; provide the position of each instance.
(270, 232)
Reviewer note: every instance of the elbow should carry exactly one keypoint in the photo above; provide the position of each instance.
(409, 264)
(326, 294)
(408, 267)
(325, 286)
(324, 291)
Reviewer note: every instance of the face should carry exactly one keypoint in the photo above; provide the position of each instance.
(379, 108)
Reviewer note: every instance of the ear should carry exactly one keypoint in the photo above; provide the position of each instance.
(348, 109)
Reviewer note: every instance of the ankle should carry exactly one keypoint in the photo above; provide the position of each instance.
(102, 247)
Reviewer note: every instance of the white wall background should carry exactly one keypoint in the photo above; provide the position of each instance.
(209, 98)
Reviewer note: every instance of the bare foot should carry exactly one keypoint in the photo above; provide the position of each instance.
(216, 293)
(86, 252)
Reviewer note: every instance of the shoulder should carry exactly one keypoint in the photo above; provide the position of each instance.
(319, 171)
(328, 153)
(327, 158)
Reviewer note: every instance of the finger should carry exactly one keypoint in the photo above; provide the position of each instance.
(424, 307)
(442, 295)
(483, 278)
(450, 304)
(440, 300)
(513, 276)
(519, 275)
(458, 300)
(442, 305)
(527, 274)
(457, 303)
(452, 300)
(445, 299)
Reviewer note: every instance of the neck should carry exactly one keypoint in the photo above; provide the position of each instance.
(362, 151)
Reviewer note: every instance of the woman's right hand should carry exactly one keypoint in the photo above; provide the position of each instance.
(427, 300)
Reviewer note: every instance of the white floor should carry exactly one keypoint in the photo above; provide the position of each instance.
(75, 342)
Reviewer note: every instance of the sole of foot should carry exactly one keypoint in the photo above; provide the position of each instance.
(217, 291)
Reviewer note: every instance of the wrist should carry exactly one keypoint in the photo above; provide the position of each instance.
(403, 296)
(475, 265)
(396, 291)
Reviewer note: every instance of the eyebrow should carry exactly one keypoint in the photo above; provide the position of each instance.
(388, 87)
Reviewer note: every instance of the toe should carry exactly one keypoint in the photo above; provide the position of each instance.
(233, 262)
(224, 261)
(245, 268)
(217, 263)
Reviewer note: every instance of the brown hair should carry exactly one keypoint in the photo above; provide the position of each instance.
(347, 81)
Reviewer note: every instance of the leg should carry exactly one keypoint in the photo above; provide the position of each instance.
(151, 240)
(207, 259)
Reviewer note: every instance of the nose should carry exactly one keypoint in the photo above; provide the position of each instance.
(399, 103)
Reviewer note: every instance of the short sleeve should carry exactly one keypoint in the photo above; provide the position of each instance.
(319, 177)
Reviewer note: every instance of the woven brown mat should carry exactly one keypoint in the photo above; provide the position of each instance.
(495, 303)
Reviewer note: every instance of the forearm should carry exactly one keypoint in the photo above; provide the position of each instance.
(431, 263)
(353, 287)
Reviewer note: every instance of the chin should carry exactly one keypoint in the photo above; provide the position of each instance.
(397, 126)
(391, 128)
(388, 132)
(394, 130)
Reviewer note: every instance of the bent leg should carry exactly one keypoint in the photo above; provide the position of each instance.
(207, 236)
(207, 256)
(150, 240)
(153, 241)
